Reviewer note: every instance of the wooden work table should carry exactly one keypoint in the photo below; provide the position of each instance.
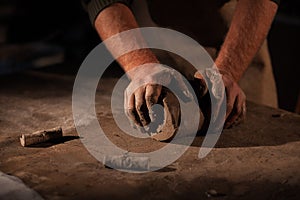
(260, 159)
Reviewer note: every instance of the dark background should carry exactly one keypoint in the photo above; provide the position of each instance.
(63, 27)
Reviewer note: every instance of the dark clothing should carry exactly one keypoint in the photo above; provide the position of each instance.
(207, 22)
(94, 7)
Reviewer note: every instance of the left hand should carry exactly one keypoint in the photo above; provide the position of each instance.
(235, 99)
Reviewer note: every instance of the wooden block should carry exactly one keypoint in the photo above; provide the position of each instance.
(40, 136)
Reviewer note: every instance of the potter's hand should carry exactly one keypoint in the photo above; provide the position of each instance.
(145, 89)
(235, 97)
(236, 101)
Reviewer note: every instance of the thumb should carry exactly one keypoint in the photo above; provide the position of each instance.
(198, 75)
(181, 88)
(201, 84)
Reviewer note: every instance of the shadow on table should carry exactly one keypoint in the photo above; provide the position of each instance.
(264, 126)
(54, 142)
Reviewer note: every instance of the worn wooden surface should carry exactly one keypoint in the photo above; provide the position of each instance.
(259, 159)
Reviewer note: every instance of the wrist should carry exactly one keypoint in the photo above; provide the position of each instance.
(131, 61)
(227, 67)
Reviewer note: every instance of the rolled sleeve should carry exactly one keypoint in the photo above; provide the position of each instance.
(94, 7)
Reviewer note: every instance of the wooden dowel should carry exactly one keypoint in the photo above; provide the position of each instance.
(40, 136)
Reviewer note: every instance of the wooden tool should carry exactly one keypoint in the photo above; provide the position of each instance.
(41, 136)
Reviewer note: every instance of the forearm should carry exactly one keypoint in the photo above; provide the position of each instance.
(249, 27)
(116, 19)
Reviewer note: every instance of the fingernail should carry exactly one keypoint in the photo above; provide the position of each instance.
(141, 129)
(198, 75)
(187, 94)
(151, 115)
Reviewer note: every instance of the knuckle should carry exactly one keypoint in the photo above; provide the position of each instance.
(130, 111)
(151, 85)
(229, 84)
(139, 107)
(229, 107)
(149, 99)
(139, 91)
(149, 96)
(154, 85)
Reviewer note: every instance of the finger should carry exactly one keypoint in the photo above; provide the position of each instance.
(141, 107)
(244, 112)
(241, 117)
(171, 104)
(229, 103)
(130, 109)
(232, 117)
(152, 94)
(237, 111)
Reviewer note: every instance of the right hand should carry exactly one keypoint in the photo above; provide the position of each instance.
(139, 104)
(146, 88)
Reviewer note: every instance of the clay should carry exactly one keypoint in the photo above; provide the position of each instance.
(171, 117)
(126, 162)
